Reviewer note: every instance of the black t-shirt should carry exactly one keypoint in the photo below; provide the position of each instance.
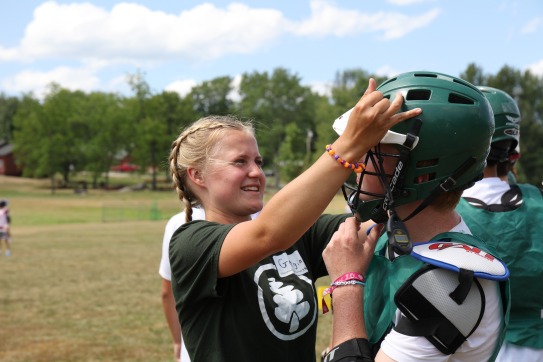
(267, 312)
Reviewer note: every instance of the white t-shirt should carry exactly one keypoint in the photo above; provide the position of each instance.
(489, 190)
(164, 269)
(478, 347)
(4, 218)
(173, 224)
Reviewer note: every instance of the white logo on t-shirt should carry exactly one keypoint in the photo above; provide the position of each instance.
(289, 308)
(290, 304)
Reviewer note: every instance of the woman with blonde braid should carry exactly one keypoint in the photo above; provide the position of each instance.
(244, 288)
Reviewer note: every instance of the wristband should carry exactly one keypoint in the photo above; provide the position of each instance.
(346, 279)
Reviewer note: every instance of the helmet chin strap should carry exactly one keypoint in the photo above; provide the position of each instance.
(399, 242)
(398, 236)
(447, 185)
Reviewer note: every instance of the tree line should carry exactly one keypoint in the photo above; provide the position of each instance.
(72, 131)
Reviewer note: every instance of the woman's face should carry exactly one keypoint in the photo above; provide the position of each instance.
(234, 178)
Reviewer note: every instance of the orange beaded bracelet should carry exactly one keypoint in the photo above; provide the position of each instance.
(356, 167)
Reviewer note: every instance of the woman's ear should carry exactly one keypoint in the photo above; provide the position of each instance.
(195, 176)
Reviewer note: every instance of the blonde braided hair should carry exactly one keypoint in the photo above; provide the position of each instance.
(193, 148)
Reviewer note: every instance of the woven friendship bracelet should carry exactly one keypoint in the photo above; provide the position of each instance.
(350, 276)
(356, 167)
(345, 279)
(350, 282)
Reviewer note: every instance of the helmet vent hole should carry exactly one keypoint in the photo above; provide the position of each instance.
(429, 75)
(418, 95)
(456, 98)
(426, 163)
(424, 178)
(428, 176)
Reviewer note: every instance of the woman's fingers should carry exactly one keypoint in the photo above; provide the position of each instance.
(372, 85)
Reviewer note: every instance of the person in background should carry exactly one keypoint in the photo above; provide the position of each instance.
(168, 302)
(433, 291)
(507, 216)
(5, 222)
(244, 289)
(507, 170)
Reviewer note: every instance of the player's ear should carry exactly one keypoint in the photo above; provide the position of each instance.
(195, 175)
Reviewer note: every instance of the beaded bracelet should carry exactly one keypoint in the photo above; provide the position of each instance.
(356, 167)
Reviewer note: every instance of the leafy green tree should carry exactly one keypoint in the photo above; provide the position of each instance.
(51, 138)
(109, 129)
(291, 165)
(174, 113)
(8, 108)
(212, 97)
(26, 138)
(158, 118)
(346, 90)
(527, 90)
(276, 101)
(474, 74)
(146, 127)
(529, 95)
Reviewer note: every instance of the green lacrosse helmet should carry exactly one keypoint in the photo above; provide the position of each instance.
(446, 146)
(506, 121)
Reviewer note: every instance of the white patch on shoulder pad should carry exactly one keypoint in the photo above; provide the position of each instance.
(455, 256)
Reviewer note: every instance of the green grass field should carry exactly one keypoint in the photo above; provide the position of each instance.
(82, 283)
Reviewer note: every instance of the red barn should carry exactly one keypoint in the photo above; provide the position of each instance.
(8, 166)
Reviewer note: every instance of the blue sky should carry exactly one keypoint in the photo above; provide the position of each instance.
(92, 45)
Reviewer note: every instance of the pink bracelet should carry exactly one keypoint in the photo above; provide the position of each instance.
(350, 276)
(345, 279)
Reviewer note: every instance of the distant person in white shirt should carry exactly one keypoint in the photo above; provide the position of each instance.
(168, 302)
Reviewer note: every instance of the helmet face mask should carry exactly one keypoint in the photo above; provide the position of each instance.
(371, 201)
(454, 134)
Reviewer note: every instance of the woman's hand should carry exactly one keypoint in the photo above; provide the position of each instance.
(369, 121)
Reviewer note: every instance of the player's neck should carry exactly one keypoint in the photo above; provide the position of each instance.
(430, 222)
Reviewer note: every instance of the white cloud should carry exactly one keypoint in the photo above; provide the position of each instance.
(132, 32)
(406, 2)
(532, 26)
(327, 19)
(234, 94)
(36, 81)
(118, 84)
(321, 88)
(183, 87)
(396, 26)
(536, 68)
(8, 54)
(387, 71)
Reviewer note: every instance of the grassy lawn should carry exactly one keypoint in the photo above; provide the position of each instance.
(82, 283)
